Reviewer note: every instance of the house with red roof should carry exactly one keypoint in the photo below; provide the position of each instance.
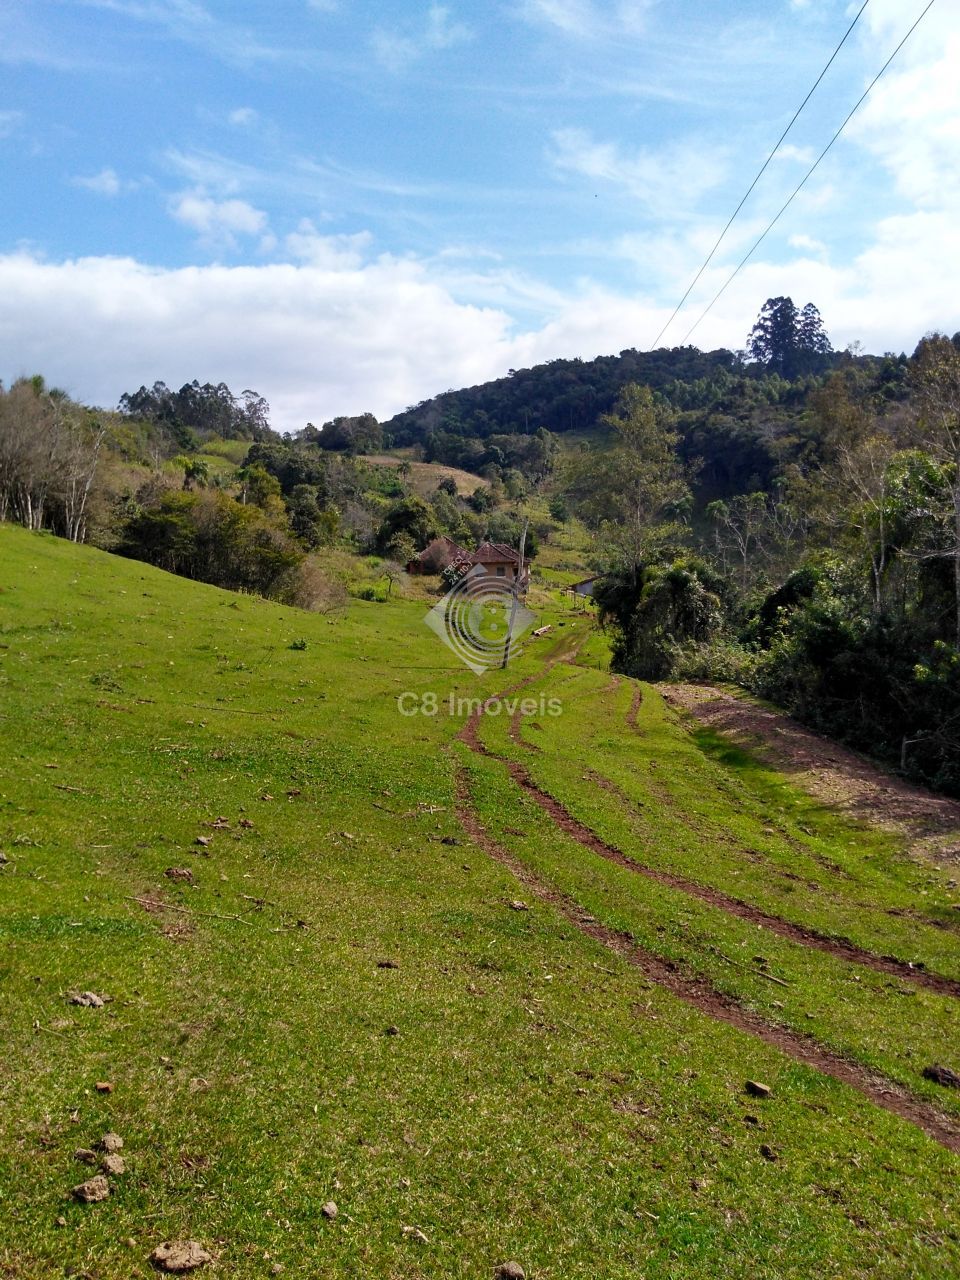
(498, 560)
(441, 555)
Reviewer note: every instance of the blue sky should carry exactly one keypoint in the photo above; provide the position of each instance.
(353, 205)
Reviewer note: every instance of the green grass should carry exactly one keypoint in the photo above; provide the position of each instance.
(687, 817)
(541, 1101)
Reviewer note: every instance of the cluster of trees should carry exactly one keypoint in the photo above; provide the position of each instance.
(210, 536)
(834, 591)
(560, 396)
(250, 526)
(738, 412)
(329, 494)
(566, 396)
(349, 435)
(518, 461)
(195, 413)
(788, 340)
(410, 523)
(49, 450)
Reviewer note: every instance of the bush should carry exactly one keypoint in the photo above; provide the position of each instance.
(654, 609)
(719, 660)
(212, 538)
(317, 590)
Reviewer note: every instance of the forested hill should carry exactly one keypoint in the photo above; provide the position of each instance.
(740, 419)
(561, 395)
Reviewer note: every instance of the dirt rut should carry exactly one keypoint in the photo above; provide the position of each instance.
(842, 948)
(832, 773)
(839, 947)
(704, 997)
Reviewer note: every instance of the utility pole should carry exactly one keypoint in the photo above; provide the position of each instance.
(515, 603)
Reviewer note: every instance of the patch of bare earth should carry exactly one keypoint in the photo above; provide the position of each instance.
(831, 773)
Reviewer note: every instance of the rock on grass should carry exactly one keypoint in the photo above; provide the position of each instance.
(111, 1143)
(87, 1000)
(92, 1192)
(942, 1075)
(178, 1256)
(758, 1090)
(510, 1271)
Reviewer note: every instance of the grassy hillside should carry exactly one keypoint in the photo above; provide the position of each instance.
(425, 476)
(563, 1084)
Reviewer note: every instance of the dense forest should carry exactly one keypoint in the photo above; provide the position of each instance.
(785, 517)
(833, 590)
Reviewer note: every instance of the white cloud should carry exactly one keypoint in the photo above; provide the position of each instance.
(209, 170)
(339, 331)
(316, 340)
(393, 51)
(586, 19)
(892, 18)
(573, 17)
(243, 116)
(217, 222)
(332, 253)
(441, 31)
(802, 155)
(104, 183)
(808, 244)
(397, 50)
(194, 24)
(911, 124)
(668, 181)
(10, 122)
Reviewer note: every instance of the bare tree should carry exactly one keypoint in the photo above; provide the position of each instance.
(394, 574)
(49, 450)
(80, 456)
(864, 472)
(739, 528)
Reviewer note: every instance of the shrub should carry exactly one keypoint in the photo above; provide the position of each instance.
(212, 538)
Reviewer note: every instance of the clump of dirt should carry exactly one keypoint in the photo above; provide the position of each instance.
(832, 773)
(92, 1192)
(88, 1000)
(176, 1257)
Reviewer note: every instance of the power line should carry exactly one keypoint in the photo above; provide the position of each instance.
(807, 176)
(766, 164)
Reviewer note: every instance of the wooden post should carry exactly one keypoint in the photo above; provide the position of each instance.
(515, 603)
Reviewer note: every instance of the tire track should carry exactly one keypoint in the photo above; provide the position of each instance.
(634, 709)
(841, 949)
(705, 998)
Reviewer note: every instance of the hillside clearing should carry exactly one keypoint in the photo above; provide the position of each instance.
(346, 958)
(425, 476)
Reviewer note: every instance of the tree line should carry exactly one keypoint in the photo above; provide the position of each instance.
(834, 591)
(196, 482)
